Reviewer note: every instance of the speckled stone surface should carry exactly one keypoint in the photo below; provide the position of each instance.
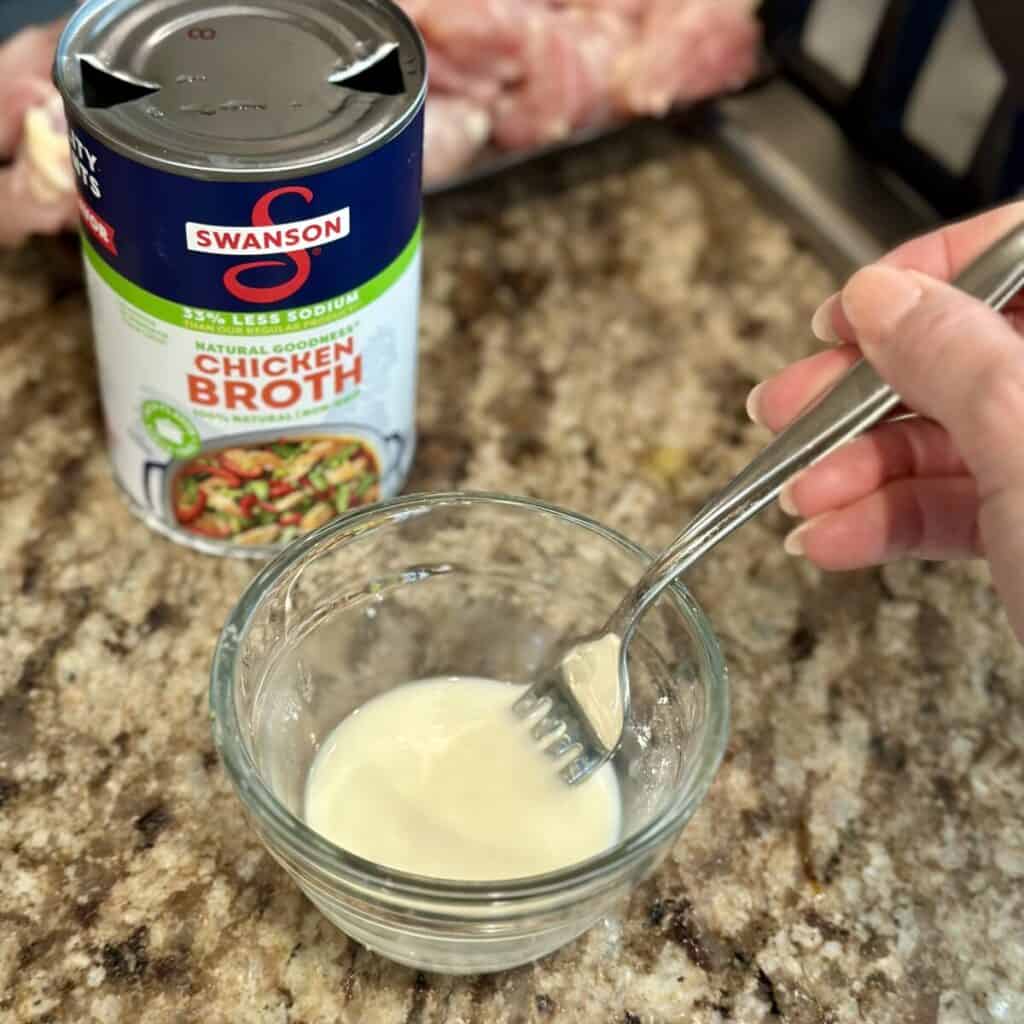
(590, 330)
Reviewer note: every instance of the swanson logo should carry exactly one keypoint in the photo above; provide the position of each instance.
(290, 239)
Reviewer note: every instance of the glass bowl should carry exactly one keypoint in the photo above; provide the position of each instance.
(457, 584)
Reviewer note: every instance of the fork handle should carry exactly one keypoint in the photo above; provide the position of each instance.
(858, 401)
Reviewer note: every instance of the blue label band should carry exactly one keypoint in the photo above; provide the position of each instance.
(242, 245)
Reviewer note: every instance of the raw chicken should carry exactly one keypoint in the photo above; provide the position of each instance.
(450, 78)
(455, 131)
(602, 36)
(622, 8)
(480, 35)
(37, 193)
(25, 61)
(545, 69)
(553, 95)
(569, 65)
(44, 152)
(687, 52)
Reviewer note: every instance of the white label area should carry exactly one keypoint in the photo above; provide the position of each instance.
(250, 438)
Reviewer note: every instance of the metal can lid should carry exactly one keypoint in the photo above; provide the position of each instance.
(250, 89)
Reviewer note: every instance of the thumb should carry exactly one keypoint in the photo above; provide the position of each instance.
(951, 358)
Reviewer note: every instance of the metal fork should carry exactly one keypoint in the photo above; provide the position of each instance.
(578, 705)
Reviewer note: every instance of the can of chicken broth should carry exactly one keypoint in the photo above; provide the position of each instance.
(249, 181)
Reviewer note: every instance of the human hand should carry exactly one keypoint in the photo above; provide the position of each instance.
(951, 483)
(37, 193)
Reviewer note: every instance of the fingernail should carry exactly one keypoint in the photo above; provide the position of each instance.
(877, 298)
(794, 542)
(821, 323)
(786, 502)
(752, 404)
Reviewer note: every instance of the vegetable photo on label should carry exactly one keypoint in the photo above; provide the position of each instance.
(257, 495)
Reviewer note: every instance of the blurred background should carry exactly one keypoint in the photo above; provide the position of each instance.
(866, 120)
(15, 14)
(890, 114)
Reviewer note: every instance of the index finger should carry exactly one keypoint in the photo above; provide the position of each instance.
(942, 254)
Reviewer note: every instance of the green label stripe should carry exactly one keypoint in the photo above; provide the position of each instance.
(215, 321)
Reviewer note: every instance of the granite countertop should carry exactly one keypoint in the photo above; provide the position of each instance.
(591, 327)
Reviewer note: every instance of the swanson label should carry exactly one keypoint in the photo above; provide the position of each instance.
(256, 341)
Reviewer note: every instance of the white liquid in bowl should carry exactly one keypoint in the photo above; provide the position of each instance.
(440, 778)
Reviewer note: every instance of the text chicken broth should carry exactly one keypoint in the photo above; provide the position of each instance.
(249, 187)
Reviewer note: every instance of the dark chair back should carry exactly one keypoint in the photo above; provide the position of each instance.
(873, 110)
